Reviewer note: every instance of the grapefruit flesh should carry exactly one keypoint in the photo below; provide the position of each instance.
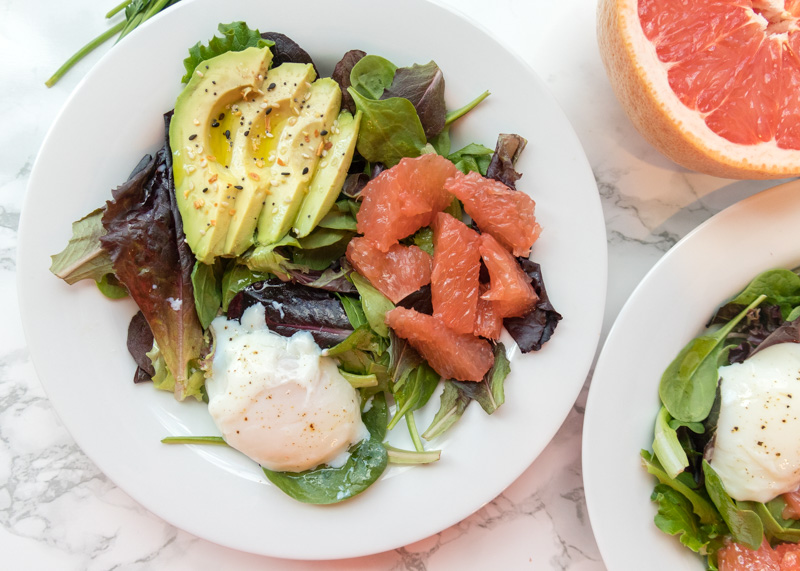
(792, 509)
(713, 85)
(510, 287)
(459, 356)
(735, 557)
(488, 321)
(397, 273)
(403, 199)
(456, 270)
(506, 214)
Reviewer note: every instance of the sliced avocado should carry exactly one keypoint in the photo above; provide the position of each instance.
(254, 146)
(331, 172)
(204, 187)
(302, 142)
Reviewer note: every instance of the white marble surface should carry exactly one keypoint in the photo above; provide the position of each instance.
(58, 511)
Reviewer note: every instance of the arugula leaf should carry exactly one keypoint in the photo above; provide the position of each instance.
(473, 157)
(453, 403)
(676, 517)
(489, 391)
(236, 37)
(362, 338)
(689, 384)
(83, 257)
(745, 525)
(413, 391)
(354, 311)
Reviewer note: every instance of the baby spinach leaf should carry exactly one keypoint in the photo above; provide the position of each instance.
(453, 403)
(325, 485)
(780, 287)
(745, 525)
(235, 279)
(236, 37)
(441, 142)
(689, 384)
(111, 287)
(372, 75)
(390, 129)
(206, 280)
(423, 85)
(341, 75)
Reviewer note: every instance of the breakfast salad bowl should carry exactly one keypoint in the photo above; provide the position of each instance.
(245, 224)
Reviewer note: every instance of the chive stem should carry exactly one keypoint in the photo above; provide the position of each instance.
(216, 440)
(116, 9)
(83, 52)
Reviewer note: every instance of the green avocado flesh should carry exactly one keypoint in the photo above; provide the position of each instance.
(252, 147)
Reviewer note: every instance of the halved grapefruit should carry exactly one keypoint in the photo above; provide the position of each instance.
(713, 85)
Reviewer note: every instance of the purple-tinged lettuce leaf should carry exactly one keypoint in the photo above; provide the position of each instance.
(140, 341)
(290, 308)
(341, 75)
(146, 244)
(506, 154)
(489, 392)
(534, 329)
(423, 85)
(286, 50)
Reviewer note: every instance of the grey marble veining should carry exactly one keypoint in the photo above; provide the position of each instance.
(58, 511)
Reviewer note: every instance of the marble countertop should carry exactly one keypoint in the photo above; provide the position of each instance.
(58, 511)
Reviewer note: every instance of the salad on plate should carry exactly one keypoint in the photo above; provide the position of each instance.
(725, 453)
(313, 260)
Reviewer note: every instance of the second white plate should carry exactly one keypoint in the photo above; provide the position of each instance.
(670, 306)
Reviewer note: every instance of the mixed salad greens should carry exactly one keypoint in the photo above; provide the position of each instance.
(693, 503)
(134, 246)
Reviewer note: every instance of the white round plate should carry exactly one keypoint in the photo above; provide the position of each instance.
(670, 306)
(77, 338)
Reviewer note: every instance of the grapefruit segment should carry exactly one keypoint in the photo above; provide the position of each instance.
(506, 214)
(403, 199)
(488, 321)
(397, 273)
(456, 268)
(736, 557)
(713, 85)
(510, 287)
(459, 356)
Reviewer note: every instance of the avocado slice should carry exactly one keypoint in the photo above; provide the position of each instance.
(254, 147)
(301, 144)
(204, 187)
(331, 172)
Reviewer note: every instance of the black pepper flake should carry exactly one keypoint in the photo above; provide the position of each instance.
(238, 187)
(268, 111)
(305, 170)
(192, 137)
(323, 132)
(271, 86)
(214, 82)
(286, 173)
(206, 67)
(215, 123)
(205, 189)
(760, 443)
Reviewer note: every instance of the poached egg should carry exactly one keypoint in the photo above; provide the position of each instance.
(278, 400)
(757, 449)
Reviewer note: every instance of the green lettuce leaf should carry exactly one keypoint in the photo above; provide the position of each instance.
(236, 37)
(83, 257)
